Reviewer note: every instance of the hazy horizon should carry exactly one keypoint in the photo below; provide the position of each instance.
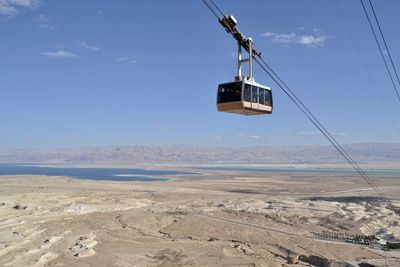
(364, 152)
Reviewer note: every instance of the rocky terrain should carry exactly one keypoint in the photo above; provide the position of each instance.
(216, 218)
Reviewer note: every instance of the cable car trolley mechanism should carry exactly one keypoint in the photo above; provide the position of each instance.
(244, 95)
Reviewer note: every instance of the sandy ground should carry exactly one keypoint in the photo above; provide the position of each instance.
(218, 218)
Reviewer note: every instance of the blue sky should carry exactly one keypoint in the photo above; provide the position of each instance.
(96, 73)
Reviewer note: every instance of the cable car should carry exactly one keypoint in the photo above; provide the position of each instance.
(244, 95)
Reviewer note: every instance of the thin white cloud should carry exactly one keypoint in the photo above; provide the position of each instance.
(44, 21)
(127, 60)
(314, 39)
(13, 7)
(309, 133)
(316, 29)
(42, 18)
(59, 54)
(284, 38)
(268, 34)
(86, 45)
(250, 136)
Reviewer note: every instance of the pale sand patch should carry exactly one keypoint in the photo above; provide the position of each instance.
(80, 209)
(45, 258)
(16, 244)
(83, 246)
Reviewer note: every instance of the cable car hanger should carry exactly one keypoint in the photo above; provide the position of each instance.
(243, 96)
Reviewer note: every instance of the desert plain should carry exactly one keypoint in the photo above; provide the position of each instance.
(211, 218)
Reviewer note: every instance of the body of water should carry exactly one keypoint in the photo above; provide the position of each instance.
(112, 174)
(313, 170)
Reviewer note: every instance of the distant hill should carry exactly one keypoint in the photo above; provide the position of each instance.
(364, 152)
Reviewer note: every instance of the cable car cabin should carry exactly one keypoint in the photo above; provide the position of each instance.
(244, 97)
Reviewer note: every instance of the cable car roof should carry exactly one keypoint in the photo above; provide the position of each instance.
(251, 82)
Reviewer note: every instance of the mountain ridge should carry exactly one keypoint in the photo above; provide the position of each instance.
(360, 152)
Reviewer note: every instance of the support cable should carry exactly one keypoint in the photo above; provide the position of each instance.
(210, 8)
(384, 41)
(394, 124)
(381, 51)
(219, 10)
